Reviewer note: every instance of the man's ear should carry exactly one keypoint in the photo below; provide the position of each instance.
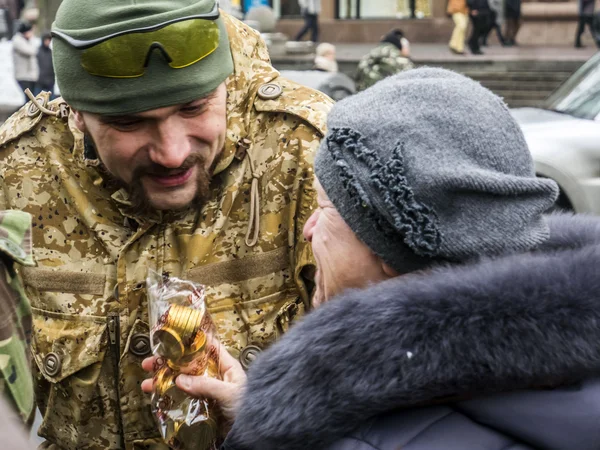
(79, 122)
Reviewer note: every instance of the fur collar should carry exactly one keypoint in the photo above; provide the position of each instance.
(499, 325)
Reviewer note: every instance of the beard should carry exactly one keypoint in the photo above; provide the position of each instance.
(141, 204)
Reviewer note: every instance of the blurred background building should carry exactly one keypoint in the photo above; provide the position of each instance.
(549, 22)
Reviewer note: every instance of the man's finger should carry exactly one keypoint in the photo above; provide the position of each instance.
(148, 364)
(226, 361)
(199, 386)
(147, 385)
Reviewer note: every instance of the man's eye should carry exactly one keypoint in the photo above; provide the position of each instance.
(126, 125)
(192, 110)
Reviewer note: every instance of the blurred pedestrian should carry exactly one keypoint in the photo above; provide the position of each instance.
(512, 18)
(390, 57)
(325, 58)
(25, 57)
(310, 11)
(586, 17)
(479, 12)
(442, 281)
(459, 11)
(44, 57)
(10, 10)
(495, 22)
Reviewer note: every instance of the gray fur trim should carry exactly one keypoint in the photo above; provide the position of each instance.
(497, 325)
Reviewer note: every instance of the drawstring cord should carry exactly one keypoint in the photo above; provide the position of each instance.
(254, 219)
(63, 112)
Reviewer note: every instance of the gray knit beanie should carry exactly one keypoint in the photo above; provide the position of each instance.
(429, 165)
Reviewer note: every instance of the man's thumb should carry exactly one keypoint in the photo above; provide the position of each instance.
(199, 386)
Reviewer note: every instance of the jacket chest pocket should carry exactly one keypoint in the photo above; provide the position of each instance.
(72, 392)
(250, 299)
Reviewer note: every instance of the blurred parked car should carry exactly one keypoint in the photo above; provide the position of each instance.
(336, 85)
(564, 138)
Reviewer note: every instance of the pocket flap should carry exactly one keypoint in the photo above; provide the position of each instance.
(64, 343)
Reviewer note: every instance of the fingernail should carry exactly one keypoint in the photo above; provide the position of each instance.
(185, 380)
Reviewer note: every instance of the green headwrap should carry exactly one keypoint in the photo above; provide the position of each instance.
(160, 85)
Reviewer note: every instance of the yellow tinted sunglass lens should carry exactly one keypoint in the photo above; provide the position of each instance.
(189, 41)
(184, 43)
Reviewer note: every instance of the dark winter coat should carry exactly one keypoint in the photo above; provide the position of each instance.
(517, 325)
(512, 9)
(44, 57)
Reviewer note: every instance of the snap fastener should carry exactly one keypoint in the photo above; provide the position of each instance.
(248, 355)
(140, 345)
(52, 364)
(33, 110)
(269, 91)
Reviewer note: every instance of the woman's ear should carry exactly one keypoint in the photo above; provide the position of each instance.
(389, 270)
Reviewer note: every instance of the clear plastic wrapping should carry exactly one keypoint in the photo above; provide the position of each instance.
(184, 341)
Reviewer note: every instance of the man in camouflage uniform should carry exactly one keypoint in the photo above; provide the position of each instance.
(98, 227)
(391, 56)
(16, 382)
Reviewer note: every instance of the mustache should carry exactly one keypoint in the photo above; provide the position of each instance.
(153, 169)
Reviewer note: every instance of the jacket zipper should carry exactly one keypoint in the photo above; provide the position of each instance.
(114, 334)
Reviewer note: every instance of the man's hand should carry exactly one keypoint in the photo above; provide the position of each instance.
(226, 393)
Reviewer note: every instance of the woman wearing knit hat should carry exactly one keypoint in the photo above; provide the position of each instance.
(455, 315)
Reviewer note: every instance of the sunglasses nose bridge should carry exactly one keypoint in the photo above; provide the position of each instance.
(159, 47)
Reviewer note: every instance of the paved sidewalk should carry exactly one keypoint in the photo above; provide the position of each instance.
(440, 53)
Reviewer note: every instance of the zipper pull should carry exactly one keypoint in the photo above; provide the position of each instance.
(113, 329)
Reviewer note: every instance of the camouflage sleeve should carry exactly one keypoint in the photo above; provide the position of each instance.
(304, 262)
(16, 383)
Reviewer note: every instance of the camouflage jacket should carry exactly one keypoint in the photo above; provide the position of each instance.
(16, 382)
(88, 294)
(381, 62)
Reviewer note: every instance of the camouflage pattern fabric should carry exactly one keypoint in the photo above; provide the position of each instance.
(381, 62)
(16, 382)
(88, 292)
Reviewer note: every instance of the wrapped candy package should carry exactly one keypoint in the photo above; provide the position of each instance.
(184, 341)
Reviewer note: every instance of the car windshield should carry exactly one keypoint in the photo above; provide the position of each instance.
(579, 96)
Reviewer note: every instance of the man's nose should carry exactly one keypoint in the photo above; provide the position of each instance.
(309, 226)
(172, 146)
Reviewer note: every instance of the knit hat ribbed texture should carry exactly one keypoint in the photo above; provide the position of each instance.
(160, 85)
(431, 161)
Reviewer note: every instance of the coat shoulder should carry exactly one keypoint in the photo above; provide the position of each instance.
(30, 121)
(293, 99)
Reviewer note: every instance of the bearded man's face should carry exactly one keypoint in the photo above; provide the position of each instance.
(163, 157)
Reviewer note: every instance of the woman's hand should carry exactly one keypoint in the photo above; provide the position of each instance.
(226, 393)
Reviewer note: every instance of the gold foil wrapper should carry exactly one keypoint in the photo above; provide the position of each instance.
(180, 338)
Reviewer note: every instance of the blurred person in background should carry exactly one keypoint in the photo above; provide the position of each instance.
(586, 17)
(46, 78)
(390, 57)
(325, 58)
(459, 11)
(443, 287)
(25, 57)
(512, 18)
(10, 10)
(310, 11)
(479, 12)
(495, 22)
